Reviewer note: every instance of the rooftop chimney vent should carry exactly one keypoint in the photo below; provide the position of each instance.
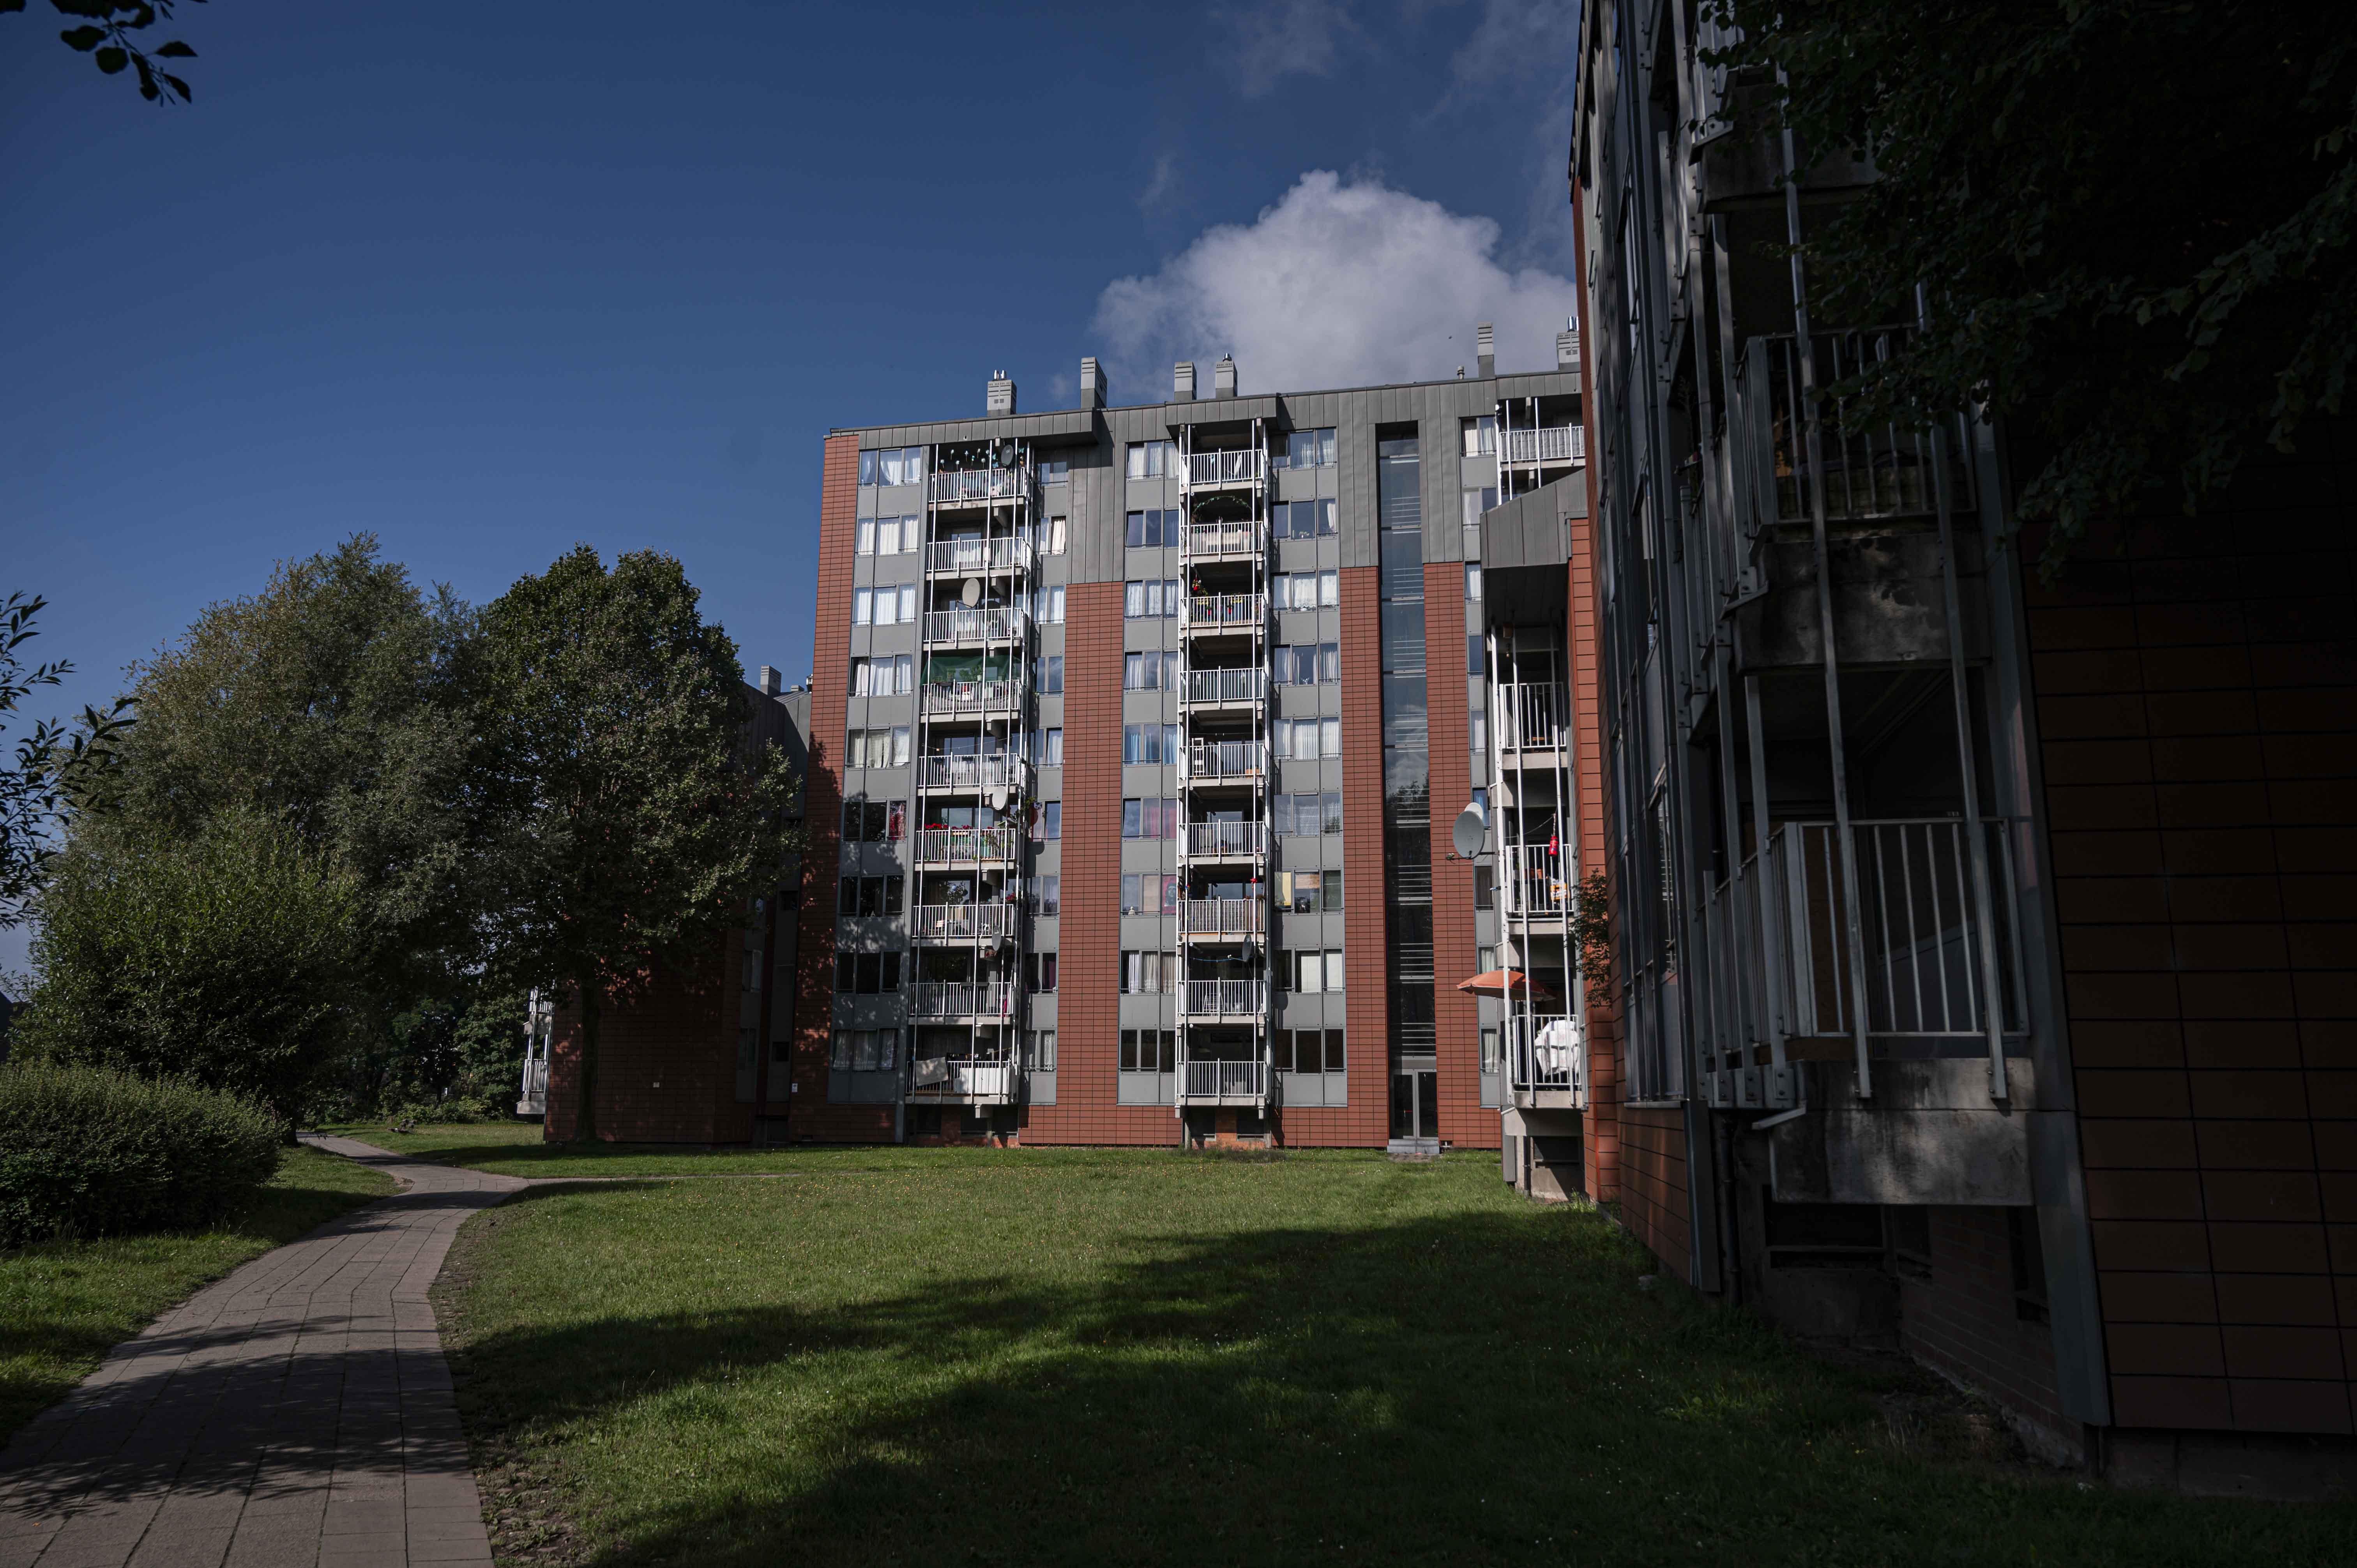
(1485, 350)
(1093, 382)
(1000, 398)
(1566, 346)
(1182, 381)
(771, 680)
(1223, 377)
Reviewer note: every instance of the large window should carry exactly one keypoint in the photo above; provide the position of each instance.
(1048, 748)
(1309, 1050)
(1307, 590)
(866, 973)
(1149, 971)
(1039, 971)
(1150, 598)
(867, 896)
(890, 676)
(893, 465)
(1317, 972)
(1055, 470)
(1153, 530)
(1047, 819)
(1301, 520)
(1048, 604)
(1306, 816)
(1481, 436)
(1308, 664)
(874, 821)
(1149, 743)
(884, 607)
(1309, 892)
(1153, 459)
(880, 747)
(1149, 817)
(1307, 449)
(1046, 894)
(1148, 671)
(1149, 1050)
(1048, 675)
(888, 535)
(1149, 892)
(866, 1050)
(1304, 738)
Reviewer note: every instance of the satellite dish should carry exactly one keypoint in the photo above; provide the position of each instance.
(999, 797)
(971, 595)
(1471, 828)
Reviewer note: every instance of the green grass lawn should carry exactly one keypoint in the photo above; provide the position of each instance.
(514, 1148)
(1108, 1357)
(63, 1305)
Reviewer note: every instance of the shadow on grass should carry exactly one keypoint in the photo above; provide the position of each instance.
(1474, 1388)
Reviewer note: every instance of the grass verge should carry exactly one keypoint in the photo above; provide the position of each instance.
(514, 1148)
(1089, 1357)
(63, 1305)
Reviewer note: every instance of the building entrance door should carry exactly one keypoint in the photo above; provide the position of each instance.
(1415, 1099)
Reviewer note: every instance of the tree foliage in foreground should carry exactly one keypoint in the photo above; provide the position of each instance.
(635, 822)
(2132, 220)
(110, 34)
(50, 766)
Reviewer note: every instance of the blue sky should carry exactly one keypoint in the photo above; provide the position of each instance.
(489, 280)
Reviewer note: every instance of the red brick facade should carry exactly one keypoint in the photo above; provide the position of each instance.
(1967, 1321)
(666, 1064)
(1463, 1121)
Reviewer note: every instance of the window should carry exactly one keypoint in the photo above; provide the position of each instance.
(1055, 470)
(1143, 972)
(1149, 743)
(1476, 503)
(1307, 449)
(863, 612)
(1047, 819)
(1147, 599)
(1039, 971)
(1049, 675)
(1485, 894)
(1304, 739)
(1309, 892)
(1149, 892)
(1306, 816)
(1481, 437)
(1148, 671)
(1058, 528)
(1477, 730)
(1307, 590)
(1475, 663)
(1317, 972)
(1149, 1050)
(1048, 606)
(1309, 663)
(1473, 582)
(890, 676)
(1309, 1050)
(866, 973)
(1044, 893)
(1153, 530)
(893, 465)
(874, 821)
(884, 607)
(880, 747)
(1149, 817)
(1489, 1050)
(1302, 520)
(867, 896)
(1485, 959)
(867, 1050)
(1048, 748)
(1153, 459)
(888, 535)
(1040, 1049)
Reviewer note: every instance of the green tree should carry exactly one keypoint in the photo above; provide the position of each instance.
(109, 35)
(51, 768)
(224, 956)
(2131, 221)
(636, 821)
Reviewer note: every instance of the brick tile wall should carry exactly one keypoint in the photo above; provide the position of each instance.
(1652, 1173)
(667, 1061)
(2196, 686)
(1462, 1119)
(1965, 1318)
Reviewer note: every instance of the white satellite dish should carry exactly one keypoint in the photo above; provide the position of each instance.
(971, 595)
(1471, 828)
(999, 797)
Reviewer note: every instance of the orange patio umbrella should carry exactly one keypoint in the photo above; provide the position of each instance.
(1499, 981)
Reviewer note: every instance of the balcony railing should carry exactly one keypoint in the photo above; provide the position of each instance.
(995, 624)
(968, 846)
(1869, 470)
(1249, 685)
(1223, 539)
(1544, 1059)
(1224, 759)
(1224, 841)
(972, 773)
(960, 922)
(958, 486)
(1548, 443)
(973, 696)
(1223, 1080)
(962, 1078)
(1223, 998)
(964, 999)
(1222, 917)
(1233, 612)
(999, 552)
(1533, 880)
(1531, 716)
(1225, 467)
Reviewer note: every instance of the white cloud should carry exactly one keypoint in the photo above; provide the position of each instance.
(1271, 41)
(1339, 283)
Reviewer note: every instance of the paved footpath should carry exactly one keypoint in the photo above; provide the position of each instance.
(295, 1414)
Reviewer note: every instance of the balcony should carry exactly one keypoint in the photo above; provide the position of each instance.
(1222, 1083)
(971, 698)
(1225, 841)
(1548, 443)
(1223, 998)
(971, 1081)
(1217, 541)
(1223, 468)
(1229, 918)
(1534, 882)
(972, 774)
(992, 624)
(1546, 1067)
(976, 487)
(963, 999)
(960, 922)
(1532, 716)
(1868, 471)
(1226, 612)
(966, 557)
(1214, 759)
(1245, 684)
(968, 846)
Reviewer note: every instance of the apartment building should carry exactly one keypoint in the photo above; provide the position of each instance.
(1982, 973)
(1129, 725)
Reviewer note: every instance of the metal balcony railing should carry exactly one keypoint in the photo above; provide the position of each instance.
(999, 552)
(1233, 612)
(999, 624)
(1533, 880)
(960, 922)
(1222, 917)
(962, 1078)
(1225, 841)
(1531, 716)
(1869, 470)
(1217, 538)
(968, 846)
(973, 696)
(1223, 998)
(1225, 467)
(1541, 1060)
(1548, 443)
(973, 773)
(1223, 1080)
(964, 999)
(956, 486)
(1224, 759)
(1248, 684)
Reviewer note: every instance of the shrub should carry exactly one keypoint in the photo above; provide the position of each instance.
(90, 1152)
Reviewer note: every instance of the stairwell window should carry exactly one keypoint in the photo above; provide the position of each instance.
(1040, 1049)
(1048, 748)
(1047, 819)
(1058, 530)
(1048, 606)
(1051, 675)
(1044, 893)
(1039, 971)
